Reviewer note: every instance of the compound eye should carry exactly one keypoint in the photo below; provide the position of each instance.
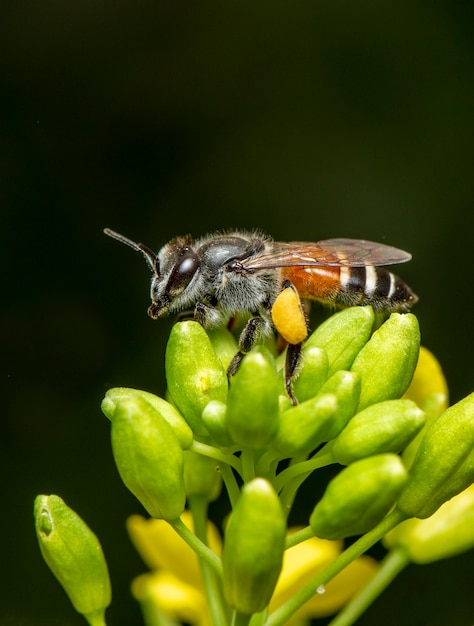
(184, 271)
(187, 266)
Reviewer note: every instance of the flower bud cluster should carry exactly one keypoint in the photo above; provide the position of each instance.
(345, 369)
(351, 411)
(347, 389)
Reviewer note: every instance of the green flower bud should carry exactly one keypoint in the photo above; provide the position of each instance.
(313, 375)
(252, 405)
(444, 462)
(304, 427)
(201, 476)
(214, 419)
(194, 372)
(284, 403)
(359, 497)
(346, 386)
(449, 531)
(74, 555)
(343, 335)
(149, 457)
(174, 418)
(253, 548)
(224, 343)
(383, 427)
(309, 424)
(388, 360)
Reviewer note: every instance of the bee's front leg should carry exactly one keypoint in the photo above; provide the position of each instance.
(207, 315)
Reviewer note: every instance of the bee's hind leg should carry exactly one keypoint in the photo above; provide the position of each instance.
(292, 363)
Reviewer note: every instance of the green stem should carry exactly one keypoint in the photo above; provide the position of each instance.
(259, 619)
(391, 566)
(240, 619)
(248, 465)
(214, 453)
(211, 582)
(230, 482)
(301, 470)
(284, 612)
(300, 474)
(197, 545)
(153, 617)
(289, 491)
(267, 464)
(298, 537)
(97, 618)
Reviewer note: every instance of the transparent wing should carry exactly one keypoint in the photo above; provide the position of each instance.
(335, 252)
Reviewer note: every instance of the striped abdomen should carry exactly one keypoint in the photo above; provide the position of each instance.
(349, 286)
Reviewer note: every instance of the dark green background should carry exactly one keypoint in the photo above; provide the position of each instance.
(305, 119)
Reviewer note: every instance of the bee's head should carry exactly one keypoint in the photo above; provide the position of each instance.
(173, 267)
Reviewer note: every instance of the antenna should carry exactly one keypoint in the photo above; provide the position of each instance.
(149, 255)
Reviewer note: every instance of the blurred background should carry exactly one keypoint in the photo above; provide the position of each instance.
(307, 120)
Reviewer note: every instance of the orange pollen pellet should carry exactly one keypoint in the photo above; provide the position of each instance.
(288, 317)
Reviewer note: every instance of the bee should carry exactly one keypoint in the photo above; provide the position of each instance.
(221, 276)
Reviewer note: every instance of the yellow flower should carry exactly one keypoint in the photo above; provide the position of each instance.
(163, 549)
(303, 561)
(449, 531)
(175, 588)
(428, 379)
(429, 390)
(163, 593)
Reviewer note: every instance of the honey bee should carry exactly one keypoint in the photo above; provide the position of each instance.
(221, 276)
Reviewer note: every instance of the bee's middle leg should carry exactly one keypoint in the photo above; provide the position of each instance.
(247, 339)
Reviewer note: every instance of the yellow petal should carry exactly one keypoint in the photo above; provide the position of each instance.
(449, 531)
(427, 380)
(341, 589)
(429, 390)
(303, 561)
(300, 564)
(162, 548)
(169, 595)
